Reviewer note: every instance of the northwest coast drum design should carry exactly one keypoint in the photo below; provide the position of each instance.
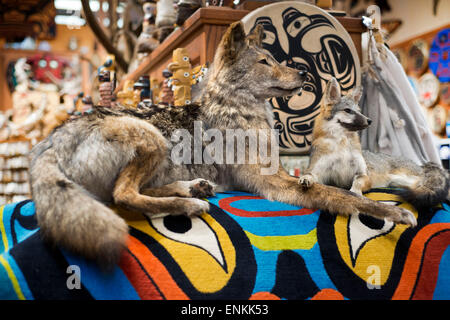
(305, 37)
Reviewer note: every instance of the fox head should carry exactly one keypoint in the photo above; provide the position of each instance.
(343, 111)
(242, 63)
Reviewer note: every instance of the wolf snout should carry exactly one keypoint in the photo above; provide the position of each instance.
(369, 121)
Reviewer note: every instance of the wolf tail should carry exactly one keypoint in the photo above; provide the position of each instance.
(70, 217)
(431, 189)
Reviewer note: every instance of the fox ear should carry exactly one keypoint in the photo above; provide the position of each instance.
(255, 37)
(332, 92)
(357, 93)
(234, 40)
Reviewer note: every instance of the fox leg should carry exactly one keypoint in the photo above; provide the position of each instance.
(312, 174)
(307, 180)
(361, 183)
(129, 183)
(197, 188)
(284, 188)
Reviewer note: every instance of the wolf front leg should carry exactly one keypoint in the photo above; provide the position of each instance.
(127, 193)
(313, 174)
(284, 188)
(307, 180)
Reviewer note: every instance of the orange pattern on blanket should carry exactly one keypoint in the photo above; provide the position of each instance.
(153, 266)
(328, 294)
(411, 272)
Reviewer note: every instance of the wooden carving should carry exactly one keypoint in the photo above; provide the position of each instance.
(182, 77)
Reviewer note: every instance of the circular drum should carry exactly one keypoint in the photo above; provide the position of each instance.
(428, 89)
(305, 37)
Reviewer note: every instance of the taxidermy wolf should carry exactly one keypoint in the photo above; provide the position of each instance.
(337, 159)
(122, 157)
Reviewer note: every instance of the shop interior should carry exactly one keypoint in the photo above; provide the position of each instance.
(61, 60)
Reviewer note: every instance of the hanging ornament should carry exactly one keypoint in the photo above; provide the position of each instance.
(439, 56)
(428, 90)
(445, 93)
(418, 57)
(438, 119)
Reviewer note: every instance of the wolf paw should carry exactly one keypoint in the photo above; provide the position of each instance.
(201, 188)
(196, 207)
(404, 216)
(306, 181)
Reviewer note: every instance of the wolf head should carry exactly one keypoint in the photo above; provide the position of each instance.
(343, 111)
(244, 66)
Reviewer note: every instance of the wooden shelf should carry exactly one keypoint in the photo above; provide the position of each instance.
(200, 35)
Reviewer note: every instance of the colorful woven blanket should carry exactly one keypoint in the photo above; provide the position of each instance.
(246, 247)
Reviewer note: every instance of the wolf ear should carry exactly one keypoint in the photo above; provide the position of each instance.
(234, 40)
(255, 37)
(357, 93)
(332, 92)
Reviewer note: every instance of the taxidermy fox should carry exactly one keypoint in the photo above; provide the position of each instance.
(121, 156)
(337, 159)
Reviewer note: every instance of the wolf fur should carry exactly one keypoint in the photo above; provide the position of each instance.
(122, 156)
(337, 159)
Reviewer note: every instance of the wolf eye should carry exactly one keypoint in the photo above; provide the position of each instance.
(263, 61)
(348, 110)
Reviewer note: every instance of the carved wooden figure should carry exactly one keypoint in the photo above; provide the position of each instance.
(182, 77)
(166, 17)
(147, 41)
(105, 89)
(166, 95)
(154, 87)
(126, 96)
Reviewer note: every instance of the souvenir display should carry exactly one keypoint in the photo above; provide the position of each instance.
(135, 190)
(418, 57)
(445, 93)
(154, 87)
(126, 96)
(199, 72)
(307, 38)
(53, 118)
(428, 87)
(440, 56)
(14, 176)
(87, 105)
(105, 89)
(438, 119)
(110, 66)
(145, 92)
(166, 95)
(185, 9)
(148, 39)
(181, 79)
(35, 17)
(46, 66)
(165, 18)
